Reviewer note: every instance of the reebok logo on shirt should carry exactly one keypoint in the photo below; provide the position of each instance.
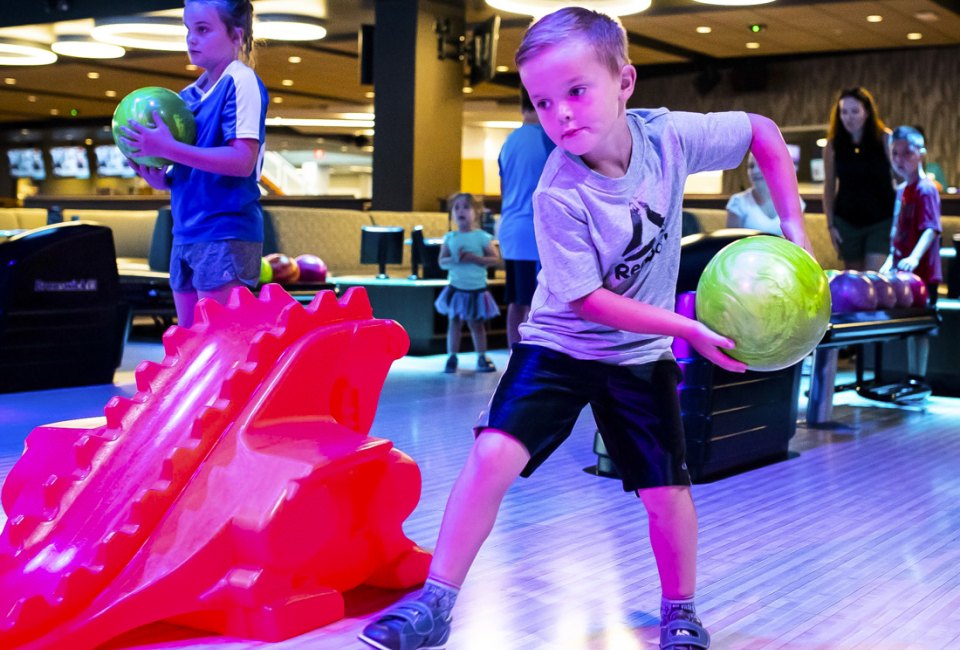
(637, 255)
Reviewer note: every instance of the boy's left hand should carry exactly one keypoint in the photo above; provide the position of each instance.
(148, 141)
(710, 345)
(798, 235)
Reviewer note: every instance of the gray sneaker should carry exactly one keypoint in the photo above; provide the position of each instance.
(408, 625)
(681, 629)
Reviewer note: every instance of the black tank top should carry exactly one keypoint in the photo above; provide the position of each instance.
(865, 195)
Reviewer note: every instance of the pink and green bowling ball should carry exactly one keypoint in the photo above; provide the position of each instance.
(770, 296)
(140, 105)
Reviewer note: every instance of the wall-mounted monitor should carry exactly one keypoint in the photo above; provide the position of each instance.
(27, 163)
(482, 50)
(70, 162)
(112, 162)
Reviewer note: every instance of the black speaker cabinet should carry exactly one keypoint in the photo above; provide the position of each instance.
(61, 321)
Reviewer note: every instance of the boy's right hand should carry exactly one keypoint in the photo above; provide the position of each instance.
(711, 345)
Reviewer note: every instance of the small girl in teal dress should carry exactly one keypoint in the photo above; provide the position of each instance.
(466, 254)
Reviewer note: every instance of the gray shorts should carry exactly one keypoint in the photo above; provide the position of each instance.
(207, 266)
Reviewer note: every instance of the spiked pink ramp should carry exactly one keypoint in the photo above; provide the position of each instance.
(236, 492)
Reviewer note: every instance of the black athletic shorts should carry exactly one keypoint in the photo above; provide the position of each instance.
(636, 408)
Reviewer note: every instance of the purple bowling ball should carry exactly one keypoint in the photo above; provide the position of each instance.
(918, 288)
(852, 291)
(901, 287)
(886, 295)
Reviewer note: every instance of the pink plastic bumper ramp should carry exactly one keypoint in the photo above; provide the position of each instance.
(236, 492)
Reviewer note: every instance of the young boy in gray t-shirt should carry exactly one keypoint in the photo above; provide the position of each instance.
(608, 221)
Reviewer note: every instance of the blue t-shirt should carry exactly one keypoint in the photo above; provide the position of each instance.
(522, 157)
(212, 207)
(466, 275)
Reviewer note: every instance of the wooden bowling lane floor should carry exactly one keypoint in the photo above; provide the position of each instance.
(853, 544)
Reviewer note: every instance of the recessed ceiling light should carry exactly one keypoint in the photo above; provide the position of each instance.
(84, 47)
(278, 100)
(914, 36)
(287, 82)
(294, 59)
(874, 18)
(544, 7)
(54, 111)
(31, 98)
(110, 93)
(10, 81)
(753, 45)
(93, 75)
(704, 29)
(503, 68)
(734, 3)
(927, 16)
(191, 67)
(467, 90)
(369, 94)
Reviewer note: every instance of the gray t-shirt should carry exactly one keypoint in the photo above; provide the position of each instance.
(622, 234)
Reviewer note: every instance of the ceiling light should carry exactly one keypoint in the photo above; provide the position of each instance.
(286, 82)
(84, 47)
(93, 75)
(143, 32)
(14, 52)
(544, 7)
(874, 18)
(753, 45)
(319, 122)
(10, 81)
(914, 36)
(294, 59)
(503, 68)
(703, 29)
(927, 16)
(278, 100)
(501, 124)
(734, 3)
(110, 93)
(288, 27)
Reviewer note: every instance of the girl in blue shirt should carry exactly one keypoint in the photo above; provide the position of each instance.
(214, 196)
(465, 254)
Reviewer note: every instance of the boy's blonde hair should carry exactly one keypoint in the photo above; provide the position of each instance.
(605, 34)
(911, 135)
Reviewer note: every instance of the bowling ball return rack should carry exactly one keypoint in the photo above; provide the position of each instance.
(860, 329)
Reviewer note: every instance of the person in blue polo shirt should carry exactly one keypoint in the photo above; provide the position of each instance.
(214, 197)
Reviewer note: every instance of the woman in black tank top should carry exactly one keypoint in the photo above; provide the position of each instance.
(858, 193)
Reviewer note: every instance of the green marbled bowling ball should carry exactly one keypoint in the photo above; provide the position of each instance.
(770, 296)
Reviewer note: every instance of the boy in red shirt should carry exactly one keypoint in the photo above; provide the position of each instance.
(915, 237)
